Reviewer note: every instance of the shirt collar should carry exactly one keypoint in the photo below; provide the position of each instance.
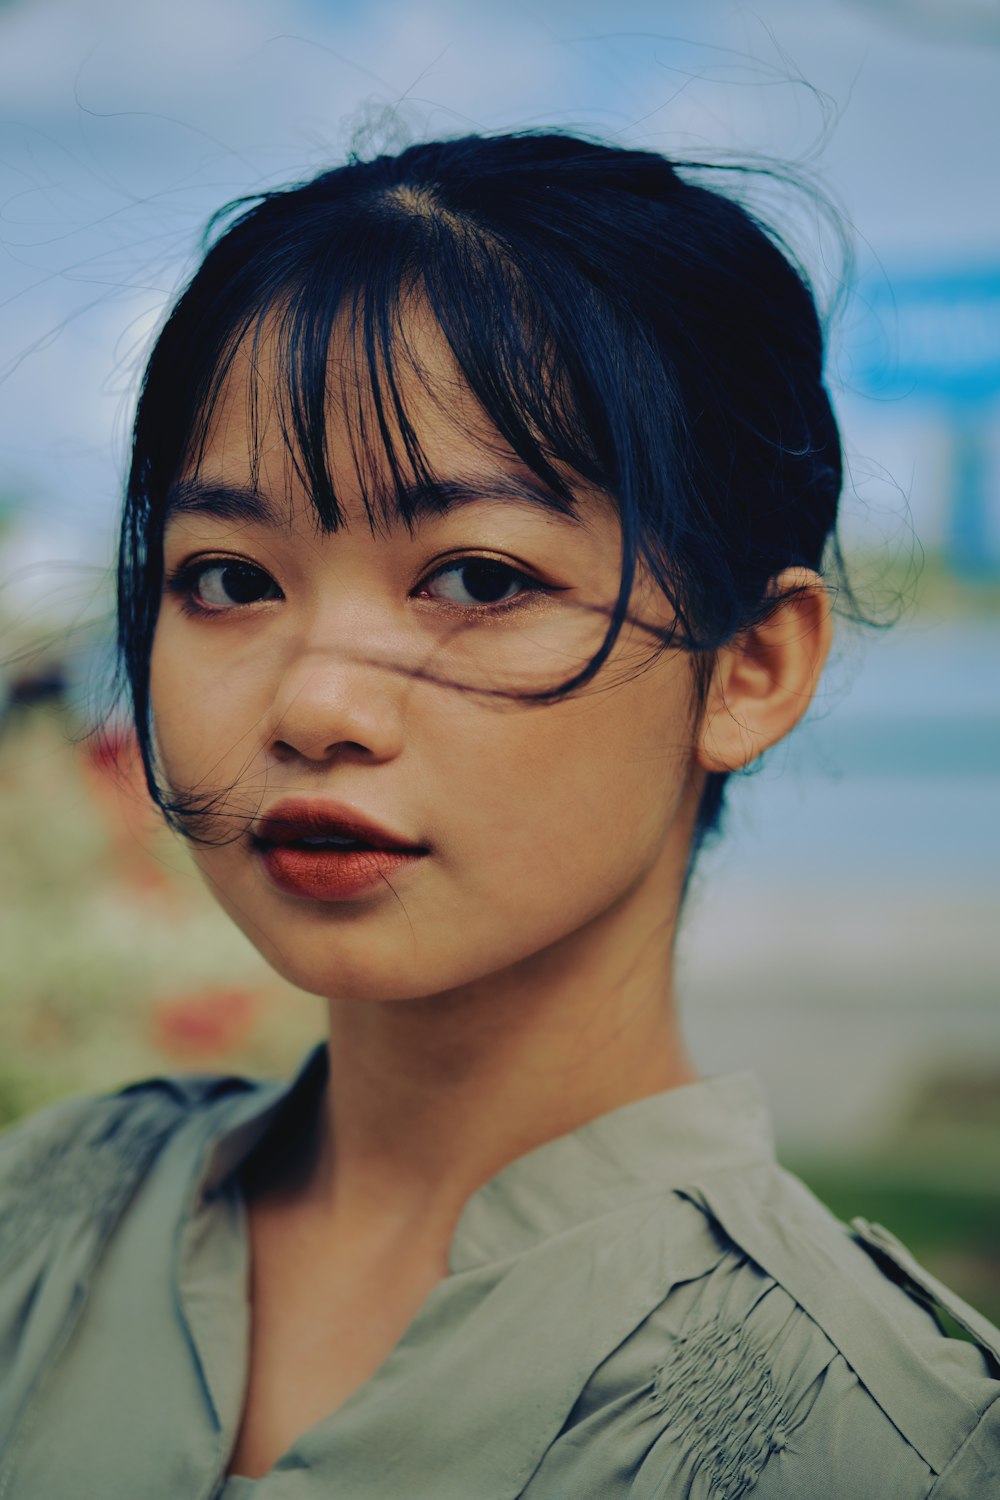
(640, 1150)
(265, 1109)
(652, 1146)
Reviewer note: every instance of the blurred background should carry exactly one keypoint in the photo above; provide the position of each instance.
(842, 939)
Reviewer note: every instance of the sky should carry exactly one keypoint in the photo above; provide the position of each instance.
(124, 123)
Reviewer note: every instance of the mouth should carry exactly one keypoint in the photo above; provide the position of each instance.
(327, 826)
(323, 852)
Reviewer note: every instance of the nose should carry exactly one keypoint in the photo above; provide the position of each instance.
(328, 708)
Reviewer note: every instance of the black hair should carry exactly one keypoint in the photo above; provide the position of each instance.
(615, 317)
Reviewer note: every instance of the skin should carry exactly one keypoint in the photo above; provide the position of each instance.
(517, 981)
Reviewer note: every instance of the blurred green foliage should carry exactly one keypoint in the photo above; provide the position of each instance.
(116, 964)
(951, 1227)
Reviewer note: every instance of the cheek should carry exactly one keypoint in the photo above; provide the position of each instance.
(202, 717)
(582, 795)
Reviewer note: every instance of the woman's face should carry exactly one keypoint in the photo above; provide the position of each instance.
(378, 672)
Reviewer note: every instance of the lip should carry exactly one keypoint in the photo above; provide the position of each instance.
(325, 874)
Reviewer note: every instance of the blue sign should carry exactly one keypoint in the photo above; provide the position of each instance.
(935, 336)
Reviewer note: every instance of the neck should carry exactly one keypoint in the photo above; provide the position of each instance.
(430, 1097)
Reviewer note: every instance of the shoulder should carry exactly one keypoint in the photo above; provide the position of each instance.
(811, 1359)
(81, 1159)
(67, 1176)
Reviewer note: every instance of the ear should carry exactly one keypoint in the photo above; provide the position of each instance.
(764, 680)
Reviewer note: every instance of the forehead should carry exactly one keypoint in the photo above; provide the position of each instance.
(399, 433)
(275, 356)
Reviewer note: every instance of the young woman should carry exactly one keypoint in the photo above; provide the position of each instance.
(476, 531)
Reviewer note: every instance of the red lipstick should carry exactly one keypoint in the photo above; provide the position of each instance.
(326, 851)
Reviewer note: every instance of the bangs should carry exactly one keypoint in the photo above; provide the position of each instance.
(347, 337)
(347, 334)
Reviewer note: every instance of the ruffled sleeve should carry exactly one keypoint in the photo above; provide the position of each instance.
(811, 1362)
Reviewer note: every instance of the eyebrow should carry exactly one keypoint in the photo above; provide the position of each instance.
(430, 499)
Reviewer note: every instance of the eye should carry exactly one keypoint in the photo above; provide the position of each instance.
(485, 581)
(225, 584)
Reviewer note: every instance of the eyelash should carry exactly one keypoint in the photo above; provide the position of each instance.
(183, 583)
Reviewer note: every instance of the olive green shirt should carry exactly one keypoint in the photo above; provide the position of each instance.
(649, 1307)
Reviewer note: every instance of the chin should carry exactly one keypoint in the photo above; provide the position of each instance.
(358, 967)
(410, 950)
(329, 982)
(381, 968)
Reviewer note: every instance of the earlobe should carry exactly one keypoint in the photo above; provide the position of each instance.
(764, 680)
